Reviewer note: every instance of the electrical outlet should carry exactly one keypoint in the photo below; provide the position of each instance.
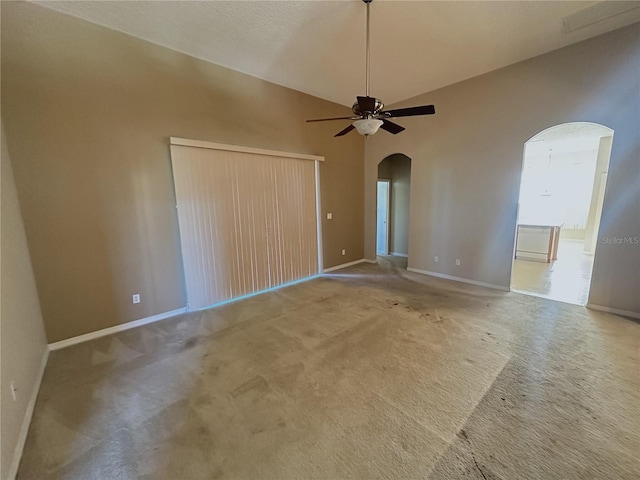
(136, 298)
(344, 252)
(329, 216)
(457, 261)
(14, 390)
(436, 259)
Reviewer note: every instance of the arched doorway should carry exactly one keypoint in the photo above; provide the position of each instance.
(562, 188)
(393, 201)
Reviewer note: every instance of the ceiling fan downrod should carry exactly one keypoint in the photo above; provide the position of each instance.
(368, 114)
(368, 2)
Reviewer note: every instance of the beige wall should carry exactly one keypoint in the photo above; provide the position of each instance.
(23, 344)
(384, 169)
(88, 113)
(595, 208)
(400, 199)
(467, 160)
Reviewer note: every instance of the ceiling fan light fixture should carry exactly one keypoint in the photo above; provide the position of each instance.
(367, 126)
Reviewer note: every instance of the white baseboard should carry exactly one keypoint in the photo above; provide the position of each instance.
(624, 313)
(26, 421)
(370, 261)
(116, 328)
(459, 279)
(253, 294)
(398, 254)
(344, 265)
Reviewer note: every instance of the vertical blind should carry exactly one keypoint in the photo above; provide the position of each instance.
(248, 221)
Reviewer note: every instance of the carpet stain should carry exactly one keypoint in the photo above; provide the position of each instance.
(190, 343)
(256, 383)
(463, 434)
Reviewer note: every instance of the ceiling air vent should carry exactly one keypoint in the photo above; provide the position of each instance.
(596, 13)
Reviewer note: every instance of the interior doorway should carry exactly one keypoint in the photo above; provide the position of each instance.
(562, 190)
(394, 175)
(382, 228)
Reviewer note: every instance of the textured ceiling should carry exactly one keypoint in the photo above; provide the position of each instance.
(318, 47)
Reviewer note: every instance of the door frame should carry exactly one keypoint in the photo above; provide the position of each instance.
(604, 132)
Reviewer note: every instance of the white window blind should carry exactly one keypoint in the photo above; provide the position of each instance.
(248, 219)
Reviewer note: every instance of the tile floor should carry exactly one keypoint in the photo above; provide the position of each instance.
(566, 279)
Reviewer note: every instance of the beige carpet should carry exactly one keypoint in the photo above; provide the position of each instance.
(369, 373)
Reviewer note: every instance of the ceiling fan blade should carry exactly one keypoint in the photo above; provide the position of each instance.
(409, 112)
(345, 131)
(335, 118)
(391, 127)
(366, 104)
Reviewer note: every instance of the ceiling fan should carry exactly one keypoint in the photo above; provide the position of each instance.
(368, 113)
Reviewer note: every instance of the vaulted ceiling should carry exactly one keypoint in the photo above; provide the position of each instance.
(318, 47)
